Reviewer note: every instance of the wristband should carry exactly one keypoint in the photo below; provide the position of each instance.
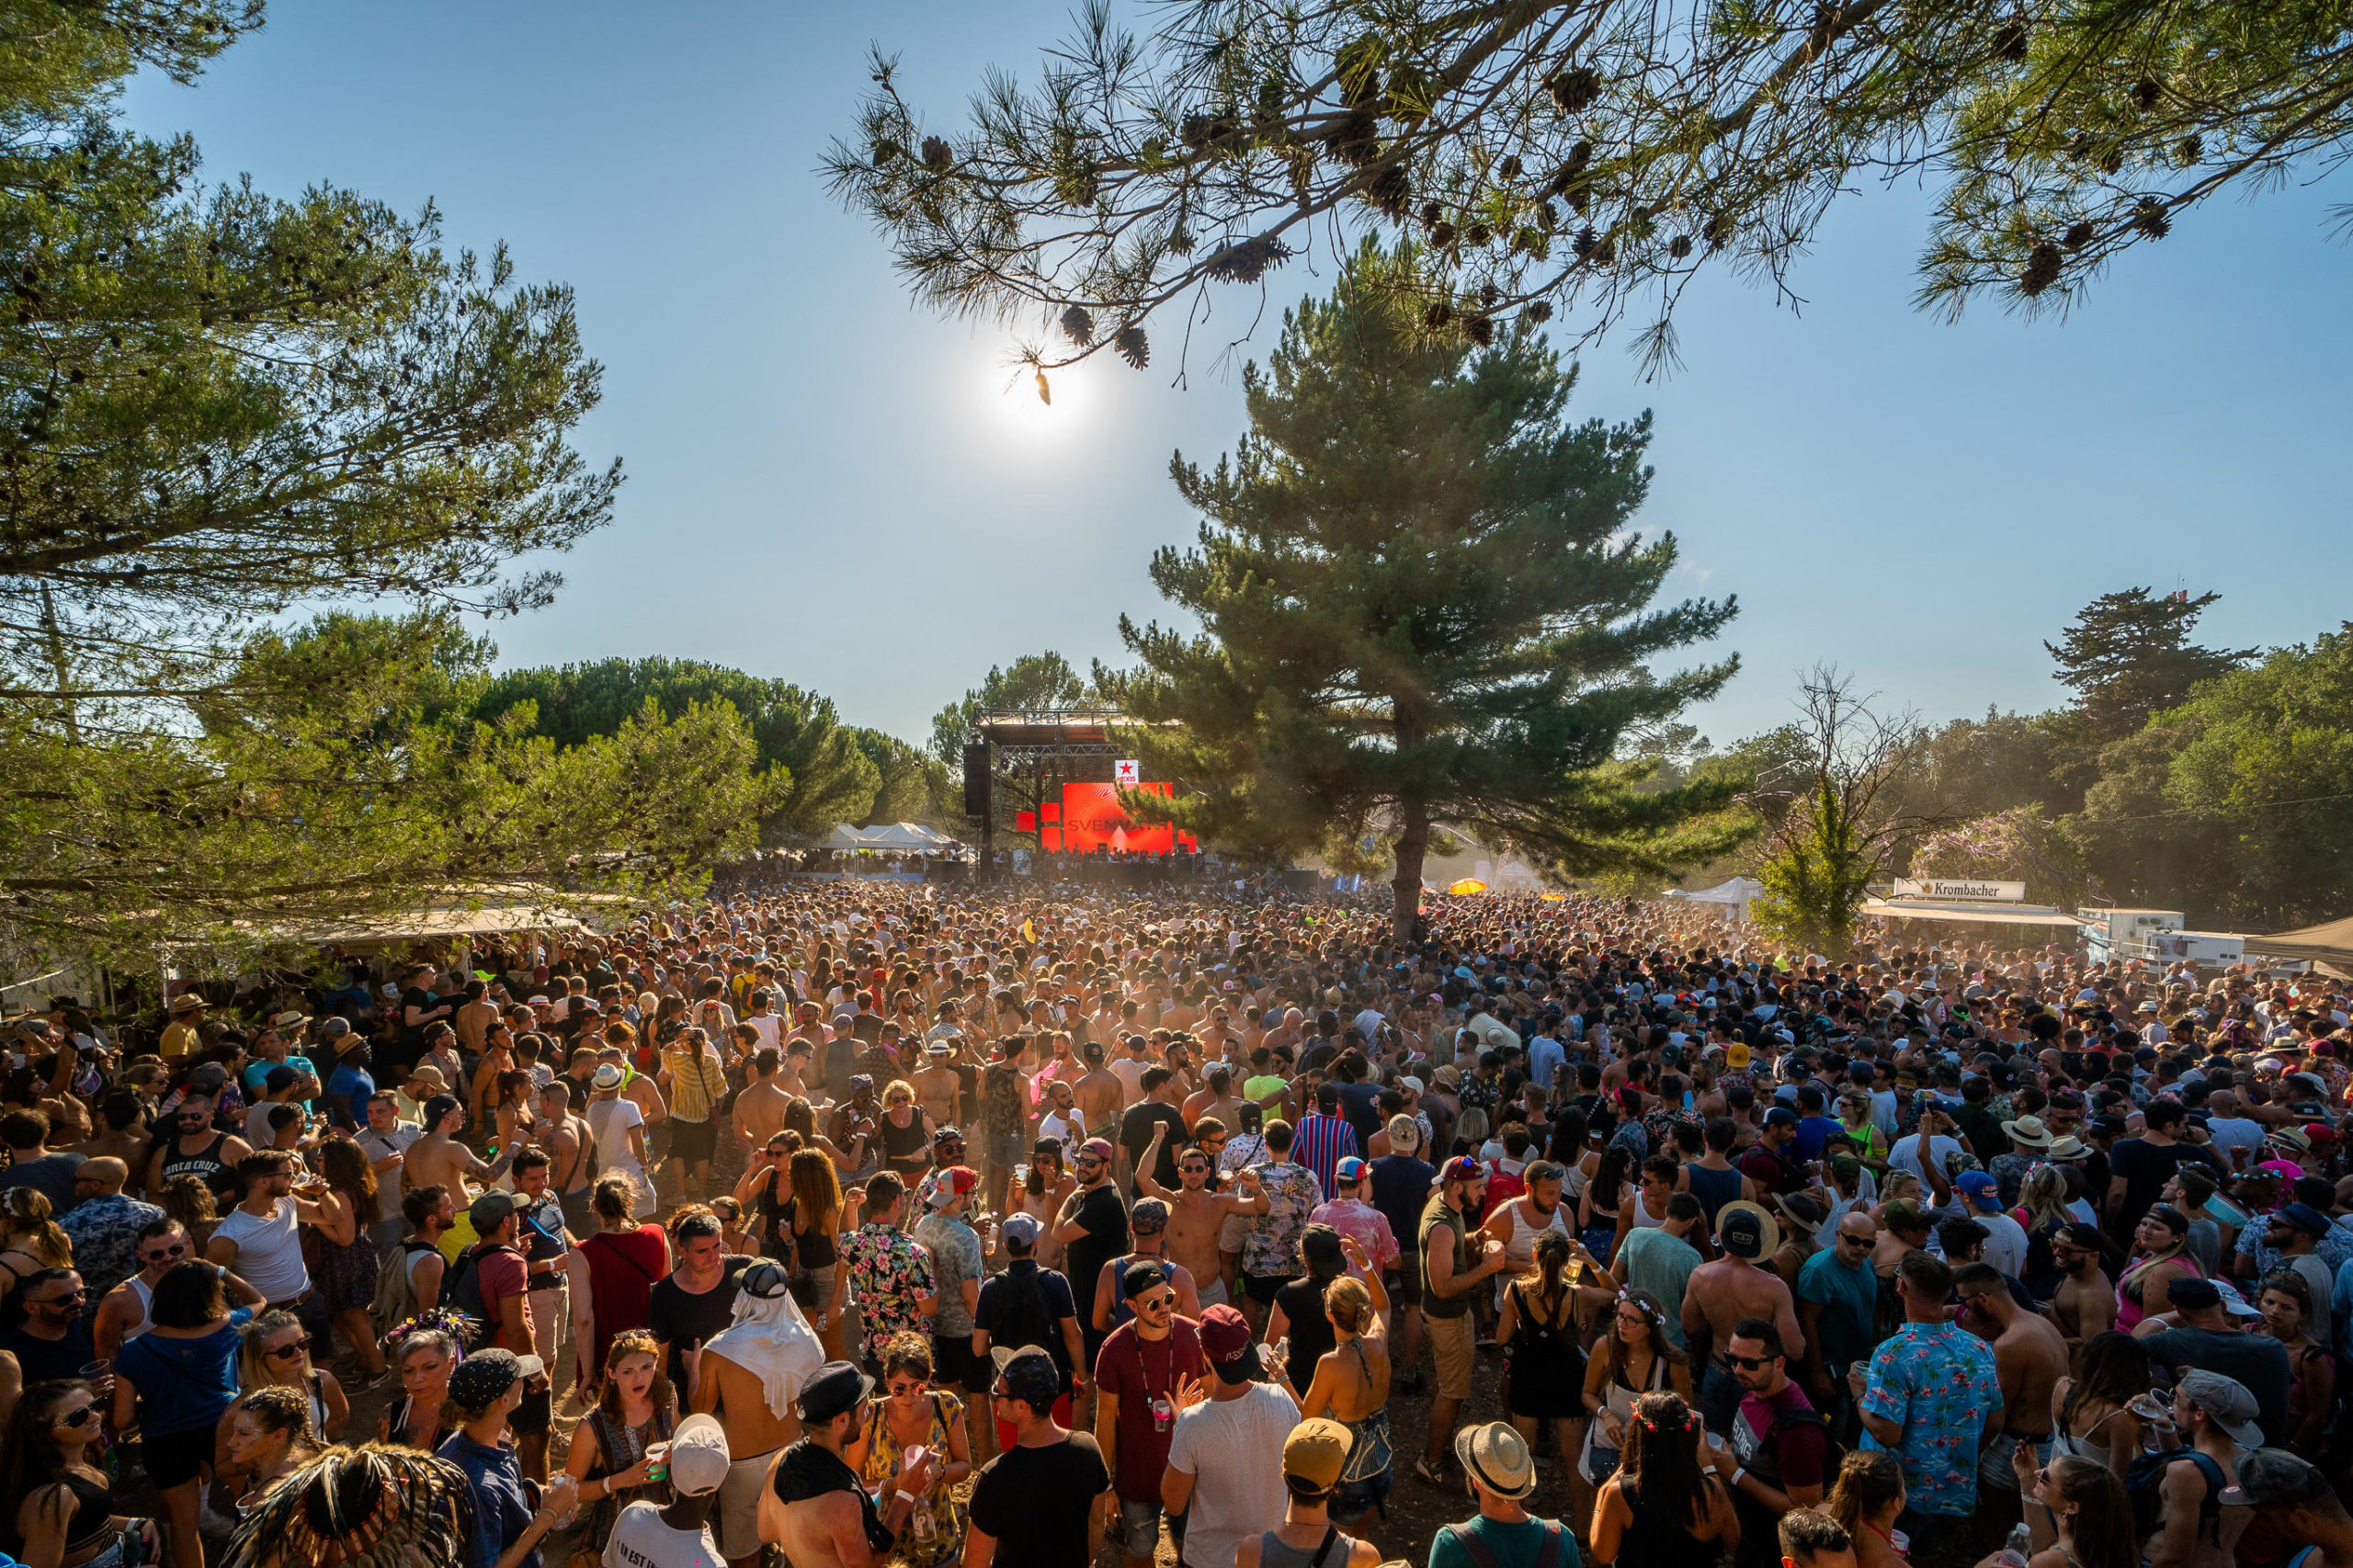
(1736, 1473)
(906, 1497)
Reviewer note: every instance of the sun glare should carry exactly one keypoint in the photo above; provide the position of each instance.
(1022, 414)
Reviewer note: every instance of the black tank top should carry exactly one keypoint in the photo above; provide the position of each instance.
(776, 1216)
(816, 1248)
(205, 1164)
(902, 1145)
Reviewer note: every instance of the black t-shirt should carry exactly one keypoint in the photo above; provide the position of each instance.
(2258, 1361)
(1401, 1190)
(683, 1319)
(1361, 1103)
(1035, 1502)
(1105, 1220)
(2145, 1168)
(1135, 1135)
(1310, 1331)
(44, 1359)
(424, 1001)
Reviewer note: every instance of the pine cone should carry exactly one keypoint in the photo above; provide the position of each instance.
(1432, 214)
(2079, 234)
(1202, 132)
(1539, 310)
(1180, 241)
(1479, 235)
(1129, 343)
(1509, 168)
(1548, 217)
(1247, 261)
(2010, 43)
(2149, 217)
(1479, 330)
(1078, 326)
(1575, 89)
(2190, 149)
(1437, 314)
(1441, 235)
(1390, 190)
(1584, 242)
(2145, 93)
(1679, 246)
(2041, 269)
(1356, 141)
(936, 153)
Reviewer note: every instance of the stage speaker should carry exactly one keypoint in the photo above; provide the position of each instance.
(976, 778)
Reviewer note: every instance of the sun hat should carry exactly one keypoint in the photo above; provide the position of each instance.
(1746, 1229)
(1497, 1458)
(2028, 1132)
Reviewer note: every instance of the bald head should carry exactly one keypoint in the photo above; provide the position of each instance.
(101, 1177)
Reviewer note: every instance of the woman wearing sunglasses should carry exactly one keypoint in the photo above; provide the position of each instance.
(65, 1511)
(2083, 1517)
(276, 1353)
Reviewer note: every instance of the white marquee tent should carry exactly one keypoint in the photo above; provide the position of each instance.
(1733, 895)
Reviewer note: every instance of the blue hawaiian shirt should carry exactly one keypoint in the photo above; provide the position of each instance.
(1937, 1381)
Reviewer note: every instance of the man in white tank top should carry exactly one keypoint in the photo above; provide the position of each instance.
(122, 1314)
(1519, 1223)
(261, 1237)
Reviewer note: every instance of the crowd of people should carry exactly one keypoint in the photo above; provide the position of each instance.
(846, 1224)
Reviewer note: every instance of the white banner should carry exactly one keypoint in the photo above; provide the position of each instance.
(1127, 773)
(1959, 888)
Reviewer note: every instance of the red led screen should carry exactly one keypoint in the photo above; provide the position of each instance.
(1091, 820)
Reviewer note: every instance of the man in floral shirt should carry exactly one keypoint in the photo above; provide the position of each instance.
(1927, 1396)
(888, 1274)
(1270, 1245)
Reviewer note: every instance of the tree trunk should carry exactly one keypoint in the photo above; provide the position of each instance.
(1413, 845)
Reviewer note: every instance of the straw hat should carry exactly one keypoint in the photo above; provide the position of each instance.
(187, 1002)
(2027, 1132)
(1735, 1217)
(2068, 1149)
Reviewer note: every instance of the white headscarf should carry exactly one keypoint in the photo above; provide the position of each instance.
(771, 1338)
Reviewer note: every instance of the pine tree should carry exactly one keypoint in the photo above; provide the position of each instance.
(2129, 657)
(1421, 605)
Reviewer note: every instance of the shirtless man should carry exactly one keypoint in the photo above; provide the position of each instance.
(760, 1105)
(1216, 1097)
(437, 1159)
(1101, 1096)
(2029, 1357)
(569, 1145)
(769, 1344)
(812, 1505)
(1728, 1290)
(1196, 1210)
(938, 1086)
(474, 1017)
(2084, 1303)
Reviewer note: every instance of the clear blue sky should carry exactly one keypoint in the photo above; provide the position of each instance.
(831, 486)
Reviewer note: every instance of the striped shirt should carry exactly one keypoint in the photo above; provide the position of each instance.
(1320, 1142)
(696, 1082)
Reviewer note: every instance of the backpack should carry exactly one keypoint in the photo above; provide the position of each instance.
(1502, 1186)
(2144, 1481)
(395, 1299)
(463, 1289)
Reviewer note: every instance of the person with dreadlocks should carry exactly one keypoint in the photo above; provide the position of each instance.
(377, 1506)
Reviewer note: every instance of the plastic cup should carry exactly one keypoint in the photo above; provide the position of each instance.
(659, 1469)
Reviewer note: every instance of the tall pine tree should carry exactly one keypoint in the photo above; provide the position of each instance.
(1421, 605)
(2129, 657)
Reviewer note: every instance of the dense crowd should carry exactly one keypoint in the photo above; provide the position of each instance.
(865, 1223)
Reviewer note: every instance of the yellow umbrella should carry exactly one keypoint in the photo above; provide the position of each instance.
(1468, 885)
(1553, 897)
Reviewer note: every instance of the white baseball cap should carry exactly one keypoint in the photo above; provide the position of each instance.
(699, 1455)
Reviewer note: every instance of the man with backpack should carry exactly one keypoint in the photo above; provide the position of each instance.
(2177, 1494)
(409, 1279)
(1779, 1453)
(491, 1283)
(1026, 1305)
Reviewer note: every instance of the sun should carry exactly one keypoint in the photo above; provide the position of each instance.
(1018, 412)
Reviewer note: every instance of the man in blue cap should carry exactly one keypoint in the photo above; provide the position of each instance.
(2004, 1237)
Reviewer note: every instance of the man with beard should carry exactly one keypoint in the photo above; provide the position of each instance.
(814, 1506)
(1196, 1210)
(1092, 1229)
(2085, 1304)
(751, 1371)
(1780, 1444)
(1728, 1292)
(1518, 1224)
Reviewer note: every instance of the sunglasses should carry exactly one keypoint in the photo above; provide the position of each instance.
(71, 1299)
(1155, 1303)
(287, 1352)
(1855, 1241)
(1749, 1363)
(166, 1253)
(1194, 1168)
(80, 1416)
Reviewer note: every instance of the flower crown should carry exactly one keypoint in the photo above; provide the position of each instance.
(446, 1320)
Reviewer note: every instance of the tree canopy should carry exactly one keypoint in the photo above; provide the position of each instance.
(1590, 158)
(1422, 602)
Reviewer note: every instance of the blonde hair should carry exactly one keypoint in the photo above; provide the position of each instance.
(2045, 1198)
(898, 1091)
(1347, 1303)
(26, 1212)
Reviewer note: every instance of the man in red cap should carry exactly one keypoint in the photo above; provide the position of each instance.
(956, 1268)
(1226, 1461)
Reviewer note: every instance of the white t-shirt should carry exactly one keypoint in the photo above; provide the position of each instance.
(1235, 1448)
(639, 1540)
(269, 1250)
(1905, 1155)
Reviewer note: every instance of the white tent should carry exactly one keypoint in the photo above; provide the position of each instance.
(845, 837)
(902, 837)
(1735, 895)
